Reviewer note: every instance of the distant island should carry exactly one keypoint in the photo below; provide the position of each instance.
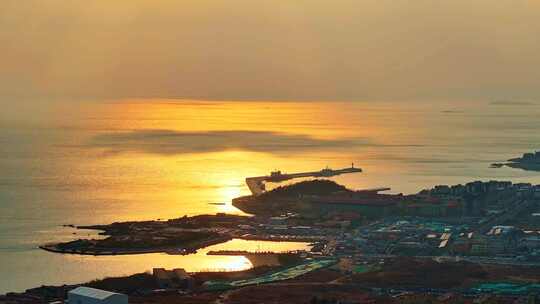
(529, 162)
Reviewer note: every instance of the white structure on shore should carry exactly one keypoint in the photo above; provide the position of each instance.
(87, 295)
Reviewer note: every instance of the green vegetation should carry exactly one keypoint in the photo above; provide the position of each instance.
(289, 259)
(127, 285)
(287, 198)
(508, 288)
(285, 274)
(366, 268)
(313, 187)
(409, 272)
(140, 241)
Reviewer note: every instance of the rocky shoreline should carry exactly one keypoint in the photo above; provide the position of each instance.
(183, 250)
(177, 236)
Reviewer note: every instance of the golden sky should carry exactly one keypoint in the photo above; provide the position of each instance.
(269, 49)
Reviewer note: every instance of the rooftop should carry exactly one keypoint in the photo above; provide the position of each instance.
(92, 293)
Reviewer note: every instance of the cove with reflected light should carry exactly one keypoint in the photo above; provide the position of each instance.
(200, 261)
(58, 269)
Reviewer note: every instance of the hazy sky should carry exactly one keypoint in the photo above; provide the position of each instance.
(269, 49)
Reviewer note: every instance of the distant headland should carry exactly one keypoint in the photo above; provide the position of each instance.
(528, 161)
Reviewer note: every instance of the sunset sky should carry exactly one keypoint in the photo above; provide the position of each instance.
(139, 110)
(269, 50)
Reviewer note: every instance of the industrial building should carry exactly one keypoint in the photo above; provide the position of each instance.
(87, 295)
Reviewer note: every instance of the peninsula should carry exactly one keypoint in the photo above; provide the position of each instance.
(529, 162)
(257, 184)
(182, 235)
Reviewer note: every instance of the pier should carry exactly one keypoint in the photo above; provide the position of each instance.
(257, 184)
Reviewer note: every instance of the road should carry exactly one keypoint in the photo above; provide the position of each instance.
(472, 259)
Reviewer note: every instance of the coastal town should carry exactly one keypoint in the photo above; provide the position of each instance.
(471, 243)
(270, 152)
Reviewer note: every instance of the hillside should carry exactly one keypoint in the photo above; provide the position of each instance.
(287, 198)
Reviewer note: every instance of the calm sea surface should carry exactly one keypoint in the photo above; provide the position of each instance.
(159, 159)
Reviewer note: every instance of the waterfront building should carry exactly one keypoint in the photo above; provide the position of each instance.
(87, 295)
(441, 190)
(176, 278)
(368, 205)
(475, 187)
(536, 191)
(528, 156)
(457, 190)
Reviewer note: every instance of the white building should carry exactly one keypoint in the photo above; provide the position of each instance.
(87, 295)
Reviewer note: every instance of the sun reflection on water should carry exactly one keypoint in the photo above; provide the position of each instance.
(101, 266)
(228, 194)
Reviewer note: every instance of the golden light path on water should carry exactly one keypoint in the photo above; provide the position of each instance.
(101, 162)
(164, 158)
(173, 155)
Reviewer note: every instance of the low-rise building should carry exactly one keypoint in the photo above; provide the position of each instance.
(176, 278)
(87, 295)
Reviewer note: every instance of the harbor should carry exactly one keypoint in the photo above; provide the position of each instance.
(317, 230)
(257, 184)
